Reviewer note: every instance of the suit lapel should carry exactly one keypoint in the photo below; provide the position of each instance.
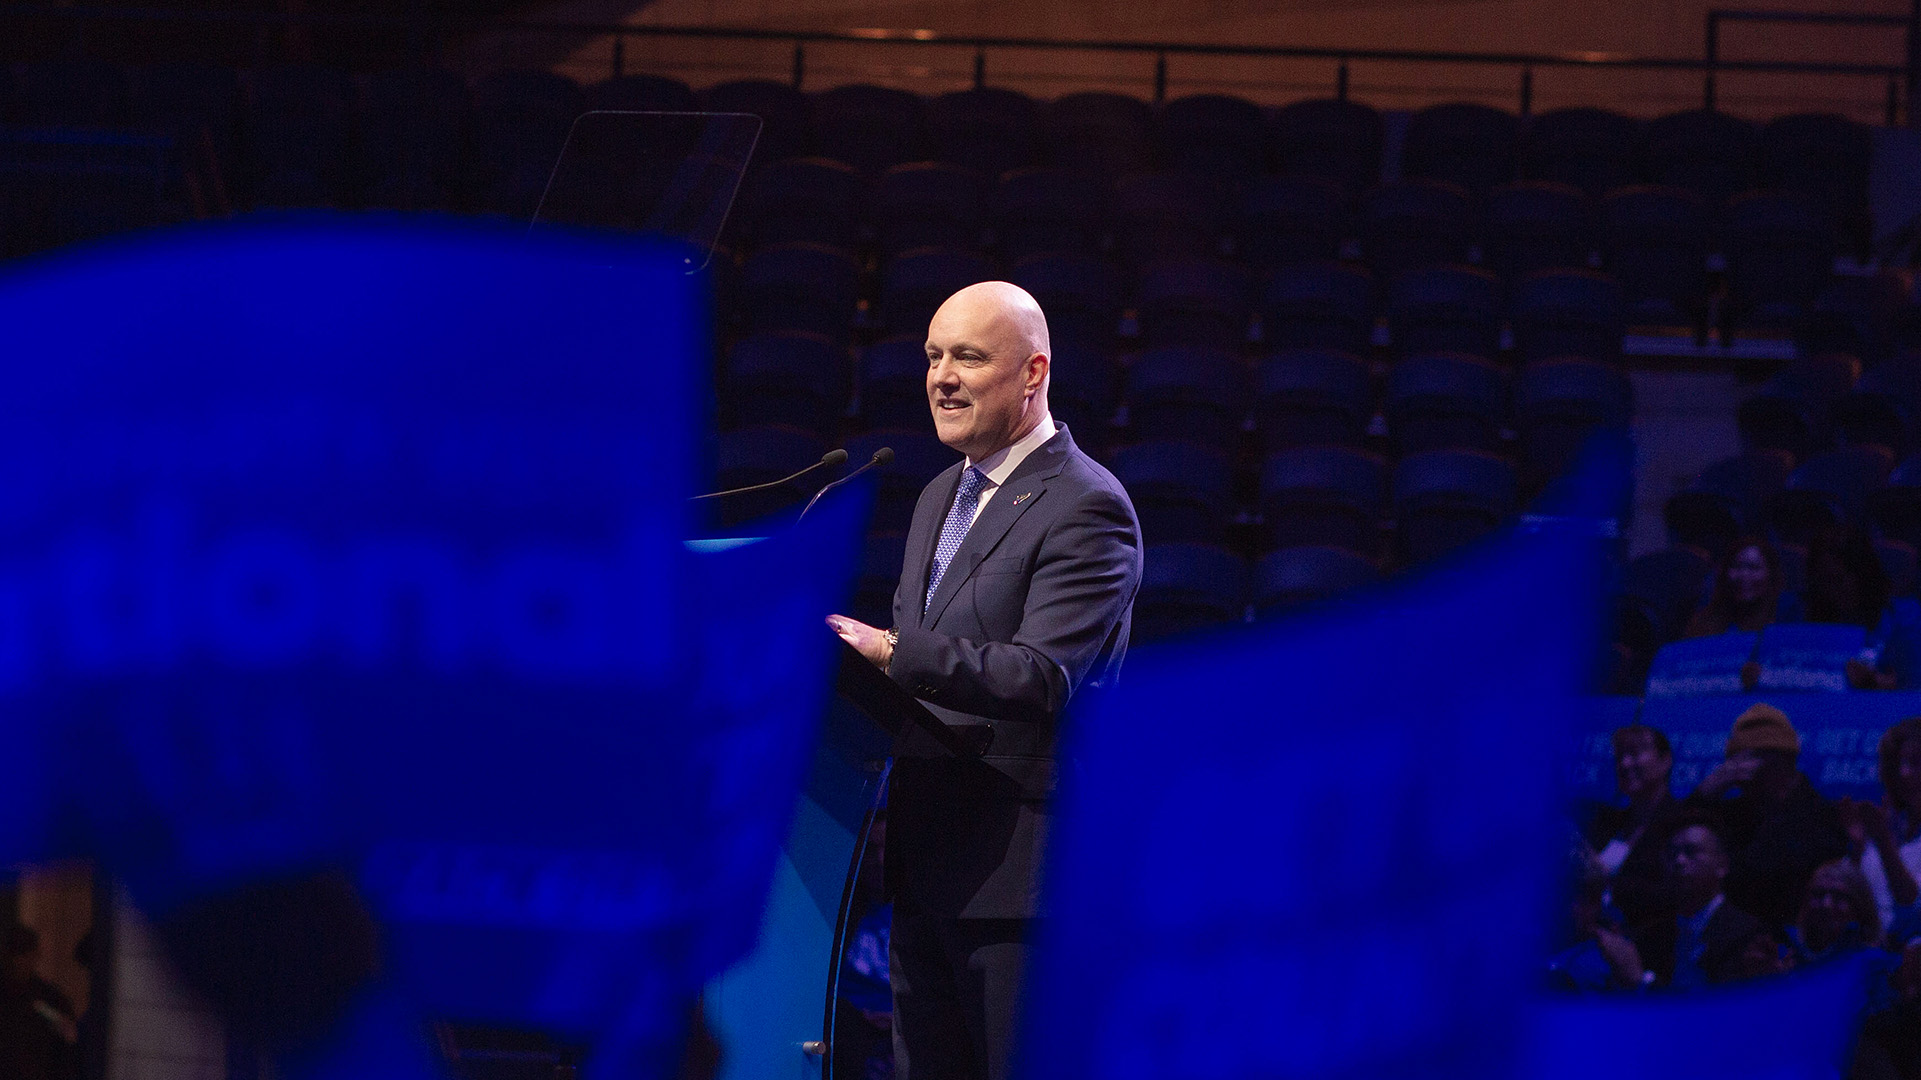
(920, 559)
(1023, 489)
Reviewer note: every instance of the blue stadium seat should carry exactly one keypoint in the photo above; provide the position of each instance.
(869, 127)
(987, 128)
(298, 120)
(1187, 392)
(1672, 583)
(918, 457)
(1446, 498)
(800, 287)
(1195, 301)
(1281, 220)
(1472, 145)
(1182, 491)
(520, 122)
(1295, 577)
(1537, 225)
(1081, 294)
(1830, 488)
(1445, 309)
(1042, 210)
(1318, 305)
(1567, 313)
(1412, 224)
(1332, 496)
(1868, 416)
(1792, 410)
(1895, 509)
(1882, 408)
(1339, 141)
(804, 200)
(1899, 560)
(893, 383)
(1438, 401)
(1188, 587)
(786, 116)
(1166, 215)
(184, 100)
(74, 93)
(1558, 405)
(1827, 158)
(1098, 133)
(915, 283)
(930, 204)
(1591, 149)
(413, 124)
(1211, 135)
(794, 379)
(1780, 249)
(1313, 397)
(640, 93)
(1726, 500)
(1084, 390)
(759, 455)
(1654, 240)
(1856, 314)
(1709, 153)
(880, 572)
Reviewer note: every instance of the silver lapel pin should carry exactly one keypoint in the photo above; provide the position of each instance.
(1018, 499)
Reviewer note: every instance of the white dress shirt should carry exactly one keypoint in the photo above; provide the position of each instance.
(1000, 464)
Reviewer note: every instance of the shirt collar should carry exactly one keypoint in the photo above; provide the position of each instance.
(1000, 464)
(1698, 922)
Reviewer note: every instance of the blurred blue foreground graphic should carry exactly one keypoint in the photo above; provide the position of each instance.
(344, 617)
(1324, 846)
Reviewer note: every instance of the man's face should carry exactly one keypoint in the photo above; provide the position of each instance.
(1698, 861)
(980, 377)
(1640, 765)
(1748, 575)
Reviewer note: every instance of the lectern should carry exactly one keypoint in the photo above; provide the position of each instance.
(774, 1011)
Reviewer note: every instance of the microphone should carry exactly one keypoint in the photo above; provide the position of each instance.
(830, 458)
(881, 459)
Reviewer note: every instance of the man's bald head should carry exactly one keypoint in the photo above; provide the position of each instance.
(988, 361)
(1006, 309)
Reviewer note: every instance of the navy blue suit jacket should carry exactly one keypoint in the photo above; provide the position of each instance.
(1034, 608)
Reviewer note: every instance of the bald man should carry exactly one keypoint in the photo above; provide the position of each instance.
(1017, 591)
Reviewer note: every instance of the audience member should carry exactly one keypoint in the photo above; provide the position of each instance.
(1886, 836)
(1837, 915)
(1778, 826)
(1631, 841)
(1890, 1045)
(1599, 957)
(1847, 585)
(1747, 591)
(37, 1022)
(1708, 937)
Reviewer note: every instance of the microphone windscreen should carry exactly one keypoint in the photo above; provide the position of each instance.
(834, 457)
(884, 456)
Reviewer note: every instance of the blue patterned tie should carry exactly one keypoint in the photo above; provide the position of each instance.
(960, 518)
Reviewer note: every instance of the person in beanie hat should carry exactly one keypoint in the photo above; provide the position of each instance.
(1779, 828)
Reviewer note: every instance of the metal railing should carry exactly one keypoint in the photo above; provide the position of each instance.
(1910, 73)
(428, 32)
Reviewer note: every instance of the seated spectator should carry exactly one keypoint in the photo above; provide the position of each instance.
(1632, 841)
(1848, 585)
(1601, 957)
(1887, 836)
(1890, 1043)
(37, 1024)
(1747, 592)
(1778, 827)
(1708, 938)
(1837, 915)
